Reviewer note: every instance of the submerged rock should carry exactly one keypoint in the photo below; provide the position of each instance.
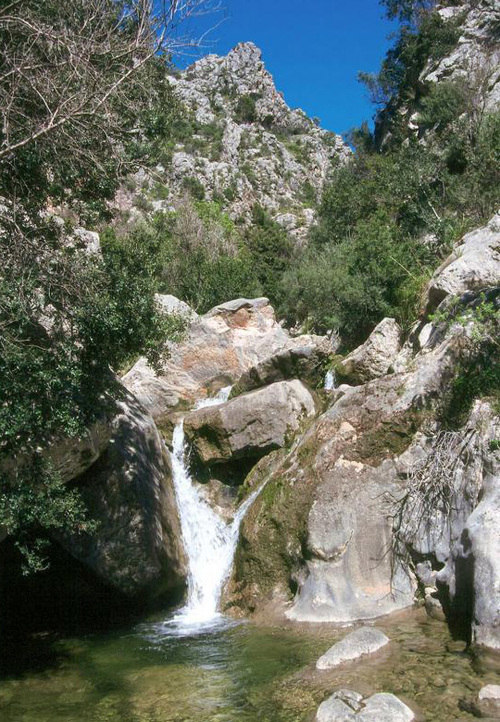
(363, 641)
(349, 706)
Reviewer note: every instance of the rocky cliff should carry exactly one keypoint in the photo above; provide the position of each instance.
(242, 145)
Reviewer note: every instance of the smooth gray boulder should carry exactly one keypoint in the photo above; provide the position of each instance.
(302, 358)
(350, 572)
(172, 305)
(374, 358)
(349, 706)
(136, 547)
(340, 707)
(363, 641)
(473, 265)
(251, 425)
(385, 707)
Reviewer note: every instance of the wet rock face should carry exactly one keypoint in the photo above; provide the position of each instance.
(249, 426)
(324, 521)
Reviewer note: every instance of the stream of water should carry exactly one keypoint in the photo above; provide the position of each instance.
(198, 666)
(330, 381)
(209, 541)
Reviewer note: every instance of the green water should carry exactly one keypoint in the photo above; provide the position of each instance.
(243, 673)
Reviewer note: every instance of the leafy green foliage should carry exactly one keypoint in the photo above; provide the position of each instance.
(387, 219)
(194, 187)
(35, 500)
(445, 103)
(406, 10)
(271, 251)
(195, 253)
(478, 375)
(396, 86)
(245, 111)
(350, 285)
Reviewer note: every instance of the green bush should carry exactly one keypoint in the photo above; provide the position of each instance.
(352, 284)
(271, 251)
(445, 102)
(194, 187)
(245, 110)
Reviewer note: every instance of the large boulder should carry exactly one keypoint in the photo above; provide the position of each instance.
(303, 358)
(375, 357)
(128, 491)
(218, 348)
(351, 572)
(473, 265)
(249, 426)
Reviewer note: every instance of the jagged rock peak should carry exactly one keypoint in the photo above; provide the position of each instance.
(244, 146)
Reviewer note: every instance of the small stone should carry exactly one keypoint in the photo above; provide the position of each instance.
(490, 693)
(340, 707)
(365, 640)
(385, 707)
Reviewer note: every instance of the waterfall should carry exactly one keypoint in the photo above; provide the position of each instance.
(329, 381)
(209, 542)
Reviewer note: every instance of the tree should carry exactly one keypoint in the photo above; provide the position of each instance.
(72, 77)
(82, 87)
(407, 10)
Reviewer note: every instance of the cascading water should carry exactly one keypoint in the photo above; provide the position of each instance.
(209, 541)
(329, 381)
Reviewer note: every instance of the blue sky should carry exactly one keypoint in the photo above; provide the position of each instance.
(313, 49)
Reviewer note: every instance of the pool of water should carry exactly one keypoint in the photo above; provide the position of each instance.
(232, 672)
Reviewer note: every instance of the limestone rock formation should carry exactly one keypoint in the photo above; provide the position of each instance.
(299, 359)
(374, 358)
(379, 493)
(476, 57)
(477, 559)
(136, 547)
(247, 146)
(218, 349)
(363, 641)
(473, 265)
(251, 425)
